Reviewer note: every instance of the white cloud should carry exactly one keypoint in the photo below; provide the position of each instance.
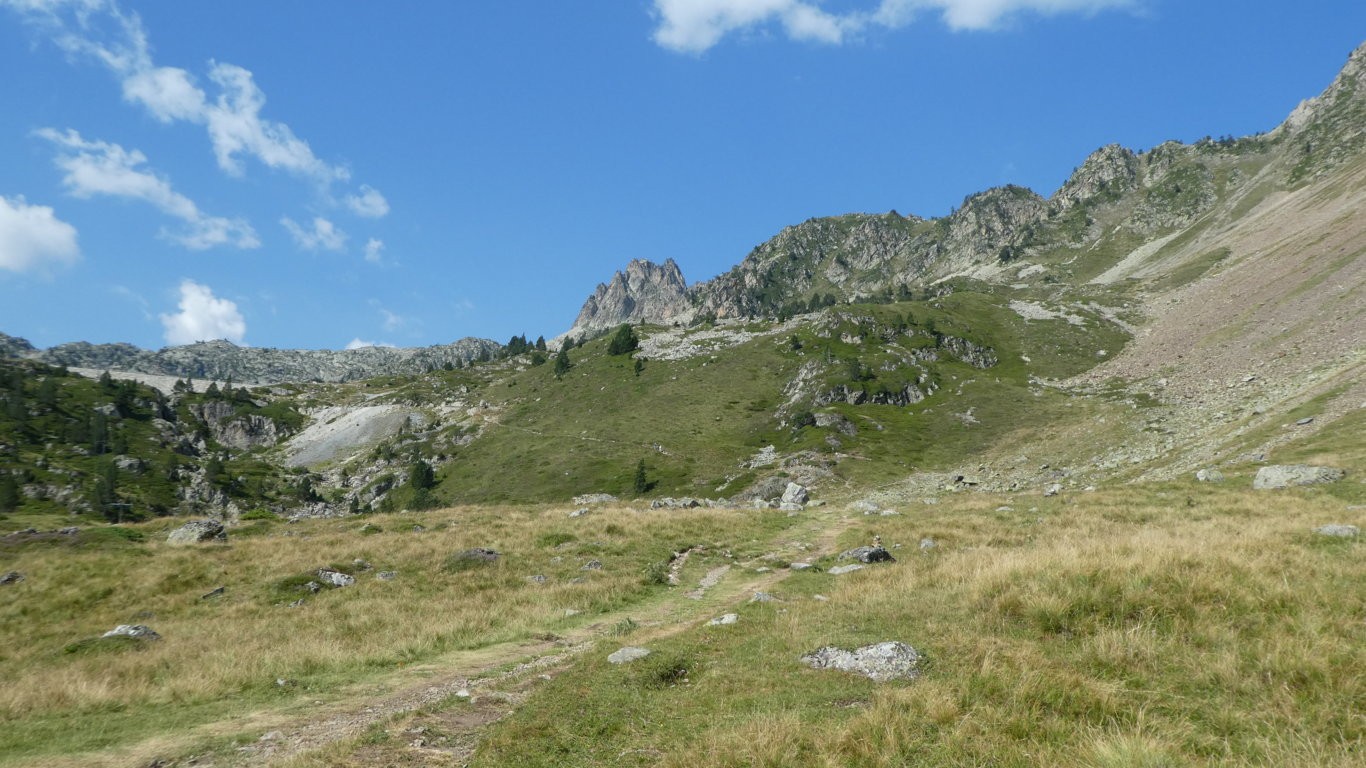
(324, 234)
(369, 203)
(374, 251)
(392, 320)
(693, 26)
(101, 168)
(32, 237)
(104, 32)
(203, 317)
(358, 343)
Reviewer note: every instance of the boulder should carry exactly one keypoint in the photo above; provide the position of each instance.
(13, 577)
(840, 570)
(580, 512)
(1053, 489)
(197, 531)
(1287, 475)
(478, 555)
(140, 631)
(336, 578)
(593, 498)
(868, 555)
(627, 654)
(795, 494)
(1209, 476)
(728, 618)
(881, 662)
(1340, 531)
(592, 565)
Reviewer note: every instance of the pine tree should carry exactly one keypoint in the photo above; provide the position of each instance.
(623, 342)
(562, 364)
(9, 492)
(642, 482)
(540, 343)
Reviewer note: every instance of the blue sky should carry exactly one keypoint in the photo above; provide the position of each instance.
(316, 174)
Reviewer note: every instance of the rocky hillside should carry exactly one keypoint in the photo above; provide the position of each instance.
(223, 360)
(1116, 203)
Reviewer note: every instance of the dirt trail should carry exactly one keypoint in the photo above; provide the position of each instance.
(497, 678)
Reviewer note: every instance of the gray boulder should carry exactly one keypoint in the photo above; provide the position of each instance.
(140, 631)
(197, 531)
(1209, 476)
(795, 494)
(881, 662)
(628, 654)
(478, 555)
(868, 555)
(840, 570)
(13, 577)
(1340, 531)
(336, 578)
(722, 620)
(1287, 475)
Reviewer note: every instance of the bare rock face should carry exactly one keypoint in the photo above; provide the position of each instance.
(1287, 475)
(244, 432)
(990, 224)
(1109, 172)
(197, 531)
(644, 293)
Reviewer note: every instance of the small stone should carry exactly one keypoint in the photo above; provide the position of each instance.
(840, 570)
(820, 598)
(592, 565)
(140, 631)
(297, 603)
(70, 530)
(1305, 421)
(570, 612)
(361, 565)
(763, 569)
(216, 592)
(1338, 530)
(13, 577)
(281, 682)
(313, 587)
(728, 618)
(927, 543)
(627, 654)
(272, 736)
(387, 575)
(1005, 508)
(762, 597)
(463, 693)
(800, 566)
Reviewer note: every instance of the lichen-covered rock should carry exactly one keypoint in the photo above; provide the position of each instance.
(795, 493)
(891, 660)
(140, 631)
(13, 577)
(627, 654)
(868, 555)
(197, 531)
(1288, 475)
(1209, 476)
(1340, 531)
(336, 578)
(840, 570)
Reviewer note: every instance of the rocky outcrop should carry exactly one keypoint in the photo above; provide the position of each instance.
(197, 531)
(991, 225)
(880, 662)
(644, 292)
(240, 432)
(1107, 174)
(223, 360)
(1287, 475)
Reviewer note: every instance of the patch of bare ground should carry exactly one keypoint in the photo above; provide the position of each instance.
(1280, 321)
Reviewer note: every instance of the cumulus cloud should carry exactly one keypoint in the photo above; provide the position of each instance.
(203, 317)
(374, 251)
(324, 235)
(358, 343)
(32, 238)
(693, 26)
(101, 168)
(369, 203)
(101, 30)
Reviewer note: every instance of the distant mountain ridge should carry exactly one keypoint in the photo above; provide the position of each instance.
(224, 360)
(1115, 201)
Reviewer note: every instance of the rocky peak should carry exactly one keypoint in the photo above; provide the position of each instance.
(990, 221)
(644, 292)
(1108, 172)
(1349, 86)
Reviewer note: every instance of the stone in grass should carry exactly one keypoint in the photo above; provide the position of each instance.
(1337, 530)
(139, 631)
(471, 558)
(800, 566)
(868, 555)
(197, 531)
(628, 654)
(840, 570)
(1209, 476)
(336, 578)
(592, 565)
(1287, 475)
(722, 620)
(762, 597)
(580, 512)
(795, 493)
(387, 575)
(891, 660)
(13, 577)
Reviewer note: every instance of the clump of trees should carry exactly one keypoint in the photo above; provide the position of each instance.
(623, 342)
